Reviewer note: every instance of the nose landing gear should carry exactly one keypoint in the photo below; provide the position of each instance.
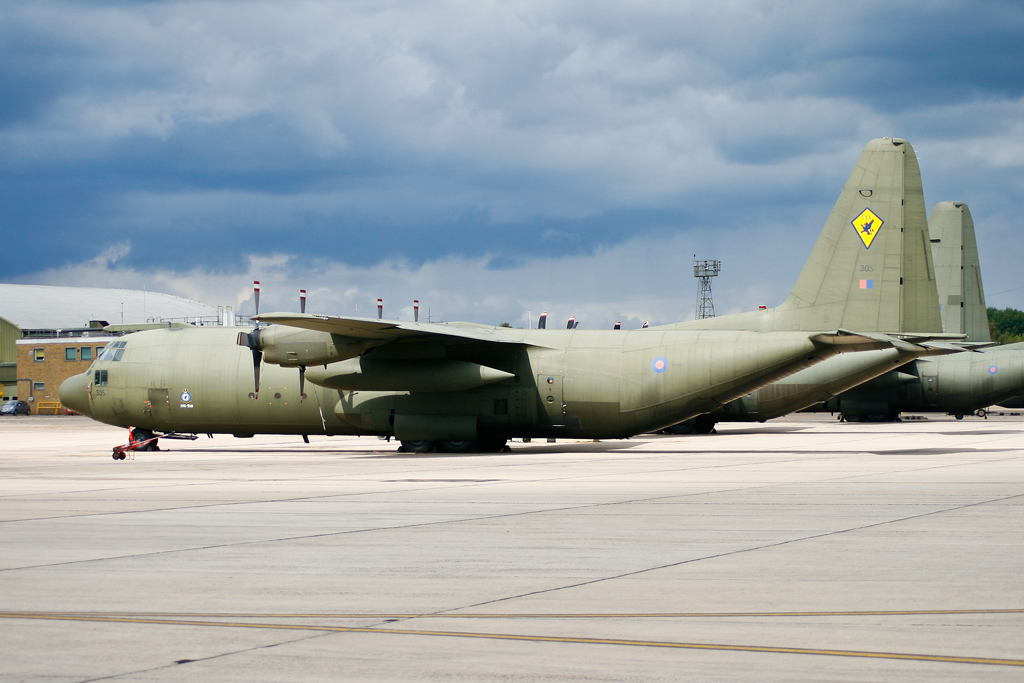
(138, 440)
(145, 440)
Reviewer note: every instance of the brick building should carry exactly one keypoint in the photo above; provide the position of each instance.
(44, 363)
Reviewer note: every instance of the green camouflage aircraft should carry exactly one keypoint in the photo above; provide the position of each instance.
(961, 383)
(461, 386)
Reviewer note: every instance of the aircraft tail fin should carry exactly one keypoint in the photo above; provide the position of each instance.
(871, 268)
(958, 271)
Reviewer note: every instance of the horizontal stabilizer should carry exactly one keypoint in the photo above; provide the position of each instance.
(845, 341)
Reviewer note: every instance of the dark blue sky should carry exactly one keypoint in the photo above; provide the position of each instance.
(475, 154)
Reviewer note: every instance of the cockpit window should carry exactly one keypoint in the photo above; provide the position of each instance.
(113, 351)
(99, 378)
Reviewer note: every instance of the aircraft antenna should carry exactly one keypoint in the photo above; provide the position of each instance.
(704, 271)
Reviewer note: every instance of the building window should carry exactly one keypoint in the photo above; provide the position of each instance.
(70, 353)
(38, 386)
(99, 351)
(86, 353)
(39, 355)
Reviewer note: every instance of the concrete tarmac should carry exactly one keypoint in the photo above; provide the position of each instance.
(803, 549)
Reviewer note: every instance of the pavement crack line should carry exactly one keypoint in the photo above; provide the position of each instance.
(678, 645)
(739, 551)
(505, 516)
(182, 662)
(398, 527)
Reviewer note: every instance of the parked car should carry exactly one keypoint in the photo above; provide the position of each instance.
(15, 408)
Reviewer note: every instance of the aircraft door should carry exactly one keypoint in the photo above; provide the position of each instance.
(550, 389)
(159, 405)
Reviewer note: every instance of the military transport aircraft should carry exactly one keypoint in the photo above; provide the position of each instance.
(961, 383)
(460, 386)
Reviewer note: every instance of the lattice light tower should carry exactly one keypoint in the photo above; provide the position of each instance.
(704, 271)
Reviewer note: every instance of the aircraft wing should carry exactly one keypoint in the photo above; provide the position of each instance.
(389, 330)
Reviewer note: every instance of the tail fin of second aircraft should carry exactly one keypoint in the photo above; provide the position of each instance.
(958, 271)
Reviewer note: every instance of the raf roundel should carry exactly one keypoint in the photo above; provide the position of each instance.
(659, 365)
(185, 396)
(993, 369)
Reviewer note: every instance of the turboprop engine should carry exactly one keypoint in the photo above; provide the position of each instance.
(297, 348)
(292, 347)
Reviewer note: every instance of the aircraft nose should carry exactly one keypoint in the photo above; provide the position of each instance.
(73, 394)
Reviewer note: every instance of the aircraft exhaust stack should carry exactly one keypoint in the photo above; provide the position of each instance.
(380, 309)
(542, 321)
(302, 301)
(416, 310)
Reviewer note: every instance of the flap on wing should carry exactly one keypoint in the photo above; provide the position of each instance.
(370, 328)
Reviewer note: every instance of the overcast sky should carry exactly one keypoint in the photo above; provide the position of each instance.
(488, 158)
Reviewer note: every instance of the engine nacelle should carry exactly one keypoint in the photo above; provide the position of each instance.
(292, 347)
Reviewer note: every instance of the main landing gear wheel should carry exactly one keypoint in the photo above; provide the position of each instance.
(418, 446)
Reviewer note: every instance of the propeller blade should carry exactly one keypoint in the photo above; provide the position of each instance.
(251, 340)
(302, 382)
(302, 301)
(257, 360)
(256, 293)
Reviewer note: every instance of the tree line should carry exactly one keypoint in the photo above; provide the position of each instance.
(1006, 325)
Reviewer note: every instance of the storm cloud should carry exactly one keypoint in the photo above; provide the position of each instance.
(492, 158)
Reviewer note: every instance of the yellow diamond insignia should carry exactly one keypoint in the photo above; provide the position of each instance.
(867, 225)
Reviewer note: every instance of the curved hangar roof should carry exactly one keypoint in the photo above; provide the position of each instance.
(42, 307)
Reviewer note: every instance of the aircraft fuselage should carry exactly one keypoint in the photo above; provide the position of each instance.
(571, 383)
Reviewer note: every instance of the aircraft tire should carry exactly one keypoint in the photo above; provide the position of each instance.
(456, 446)
(959, 416)
(142, 435)
(491, 445)
(418, 446)
(688, 427)
(703, 425)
